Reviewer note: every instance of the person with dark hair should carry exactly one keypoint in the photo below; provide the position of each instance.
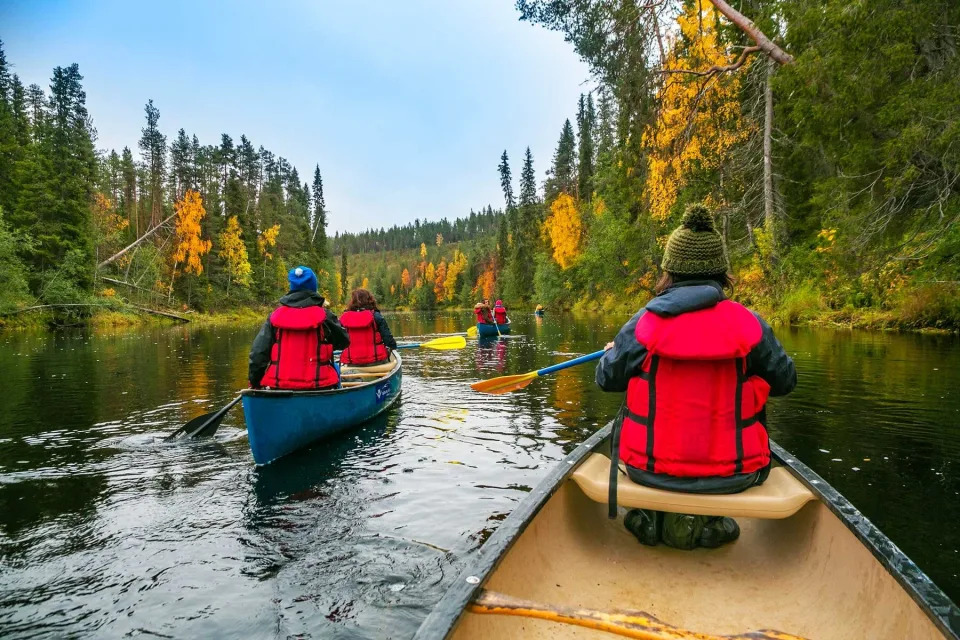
(370, 337)
(294, 349)
(697, 369)
(482, 311)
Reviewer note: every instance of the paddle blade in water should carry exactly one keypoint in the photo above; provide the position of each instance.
(504, 384)
(472, 332)
(446, 343)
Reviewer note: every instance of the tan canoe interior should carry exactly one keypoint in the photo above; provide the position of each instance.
(805, 574)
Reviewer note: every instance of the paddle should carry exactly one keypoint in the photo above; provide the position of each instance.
(203, 426)
(506, 384)
(472, 332)
(447, 343)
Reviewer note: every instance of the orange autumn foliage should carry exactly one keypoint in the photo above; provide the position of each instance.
(439, 280)
(405, 279)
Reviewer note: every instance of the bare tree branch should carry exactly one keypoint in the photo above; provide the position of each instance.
(715, 69)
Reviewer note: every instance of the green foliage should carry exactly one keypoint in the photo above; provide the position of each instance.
(13, 273)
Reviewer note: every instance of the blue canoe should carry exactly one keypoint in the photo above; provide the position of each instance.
(490, 330)
(280, 422)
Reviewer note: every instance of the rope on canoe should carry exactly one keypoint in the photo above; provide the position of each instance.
(623, 622)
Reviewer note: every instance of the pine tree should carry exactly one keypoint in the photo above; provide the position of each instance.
(563, 173)
(153, 148)
(528, 181)
(128, 198)
(181, 171)
(9, 145)
(319, 217)
(585, 163)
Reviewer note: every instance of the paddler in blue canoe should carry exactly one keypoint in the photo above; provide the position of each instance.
(294, 349)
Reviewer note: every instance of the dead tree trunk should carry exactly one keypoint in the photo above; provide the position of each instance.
(134, 243)
(746, 25)
(769, 211)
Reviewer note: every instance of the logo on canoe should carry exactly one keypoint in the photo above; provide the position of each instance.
(383, 392)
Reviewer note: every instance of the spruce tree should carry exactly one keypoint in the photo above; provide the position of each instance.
(319, 217)
(585, 126)
(562, 176)
(506, 180)
(343, 272)
(180, 169)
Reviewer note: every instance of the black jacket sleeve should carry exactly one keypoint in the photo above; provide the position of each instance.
(623, 360)
(384, 329)
(335, 333)
(769, 361)
(260, 354)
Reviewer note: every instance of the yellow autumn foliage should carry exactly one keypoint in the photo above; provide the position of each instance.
(365, 283)
(700, 117)
(405, 279)
(190, 247)
(233, 251)
(457, 265)
(563, 228)
(266, 240)
(429, 273)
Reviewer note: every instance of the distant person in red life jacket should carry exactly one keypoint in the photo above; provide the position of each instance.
(370, 337)
(500, 312)
(697, 369)
(482, 311)
(294, 349)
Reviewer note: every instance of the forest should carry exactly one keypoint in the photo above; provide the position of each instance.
(825, 136)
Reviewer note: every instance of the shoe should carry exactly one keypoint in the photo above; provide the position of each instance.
(645, 524)
(719, 531)
(682, 530)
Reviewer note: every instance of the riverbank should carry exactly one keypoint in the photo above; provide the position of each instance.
(117, 318)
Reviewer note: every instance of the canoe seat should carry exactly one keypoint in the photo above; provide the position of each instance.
(780, 496)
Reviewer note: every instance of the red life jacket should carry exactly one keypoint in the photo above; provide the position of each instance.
(478, 311)
(692, 411)
(500, 313)
(300, 357)
(366, 343)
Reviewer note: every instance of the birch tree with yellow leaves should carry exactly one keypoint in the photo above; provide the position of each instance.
(233, 252)
(190, 247)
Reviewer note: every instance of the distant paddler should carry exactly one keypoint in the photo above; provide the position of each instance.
(538, 311)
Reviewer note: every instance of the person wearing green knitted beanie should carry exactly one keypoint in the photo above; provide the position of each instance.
(697, 369)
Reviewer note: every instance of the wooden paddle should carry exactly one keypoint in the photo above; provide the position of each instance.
(203, 426)
(628, 623)
(446, 343)
(506, 384)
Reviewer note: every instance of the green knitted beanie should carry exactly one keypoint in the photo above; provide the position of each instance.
(696, 248)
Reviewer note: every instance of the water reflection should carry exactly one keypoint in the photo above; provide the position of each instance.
(106, 530)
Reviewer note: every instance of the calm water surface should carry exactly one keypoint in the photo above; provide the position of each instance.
(105, 531)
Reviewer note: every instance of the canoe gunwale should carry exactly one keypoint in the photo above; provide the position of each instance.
(932, 601)
(280, 393)
(451, 606)
(928, 596)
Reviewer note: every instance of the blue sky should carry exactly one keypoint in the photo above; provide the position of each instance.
(406, 106)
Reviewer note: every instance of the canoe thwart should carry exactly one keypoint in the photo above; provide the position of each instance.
(781, 496)
(621, 622)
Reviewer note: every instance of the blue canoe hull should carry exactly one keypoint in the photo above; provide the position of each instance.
(280, 422)
(490, 330)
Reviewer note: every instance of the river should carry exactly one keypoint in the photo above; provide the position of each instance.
(106, 531)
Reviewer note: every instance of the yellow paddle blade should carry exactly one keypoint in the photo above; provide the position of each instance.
(472, 332)
(504, 384)
(445, 344)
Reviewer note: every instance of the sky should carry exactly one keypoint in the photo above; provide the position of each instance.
(405, 106)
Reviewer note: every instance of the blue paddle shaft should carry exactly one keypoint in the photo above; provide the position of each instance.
(409, 345)
(570, 363)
